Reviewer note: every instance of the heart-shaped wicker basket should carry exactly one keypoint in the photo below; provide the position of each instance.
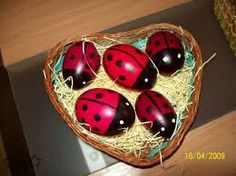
(130, 37)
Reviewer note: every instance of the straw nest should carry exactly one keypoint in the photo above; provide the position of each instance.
(137, 145)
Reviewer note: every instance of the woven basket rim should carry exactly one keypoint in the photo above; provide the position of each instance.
(140, 32)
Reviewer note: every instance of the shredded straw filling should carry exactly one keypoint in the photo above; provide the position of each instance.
(137, 140)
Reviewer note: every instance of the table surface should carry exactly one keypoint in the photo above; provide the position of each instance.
(216, 137)
(23, 36)
(30, 27)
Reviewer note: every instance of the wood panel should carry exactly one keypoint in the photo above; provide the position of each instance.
(216, 136)
(28, 27)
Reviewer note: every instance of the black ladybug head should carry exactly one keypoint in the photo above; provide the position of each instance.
(169, 61)
(124, 117)
(165, 126)
(147, 78)
(79, 79)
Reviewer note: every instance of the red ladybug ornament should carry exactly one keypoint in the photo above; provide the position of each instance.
(81, 62)
(154, 107)
(166, 51)
(129, 67)
(107, 112)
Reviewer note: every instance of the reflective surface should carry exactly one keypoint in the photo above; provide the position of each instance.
(105, 112)
(81, 64)
(166, 51)
(129, 67)
(153, 107)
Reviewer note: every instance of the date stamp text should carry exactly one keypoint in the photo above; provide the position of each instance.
(205, 155)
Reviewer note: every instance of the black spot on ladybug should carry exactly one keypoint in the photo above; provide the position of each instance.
(166, 106)
(138, 51)
(157, 43)
(99, 95)
(97, 117)
(95, 129)
(72, 57)
(85, 107)
(83, 120)
(149, 109)
(119, 63)
(122, 78)
(109, 57)
(91, 55)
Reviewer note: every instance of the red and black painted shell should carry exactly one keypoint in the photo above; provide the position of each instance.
(166, 51)
(81, 62)
(106, 111)
(154, 107)
(129, 67)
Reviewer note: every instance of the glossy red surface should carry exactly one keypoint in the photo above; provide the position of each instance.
(106, 112)
(81, 62)
(129, 67)
(166, 51)
(154, 107)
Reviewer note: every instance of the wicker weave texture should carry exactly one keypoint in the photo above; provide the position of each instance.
(129, 37)
(225, 11)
